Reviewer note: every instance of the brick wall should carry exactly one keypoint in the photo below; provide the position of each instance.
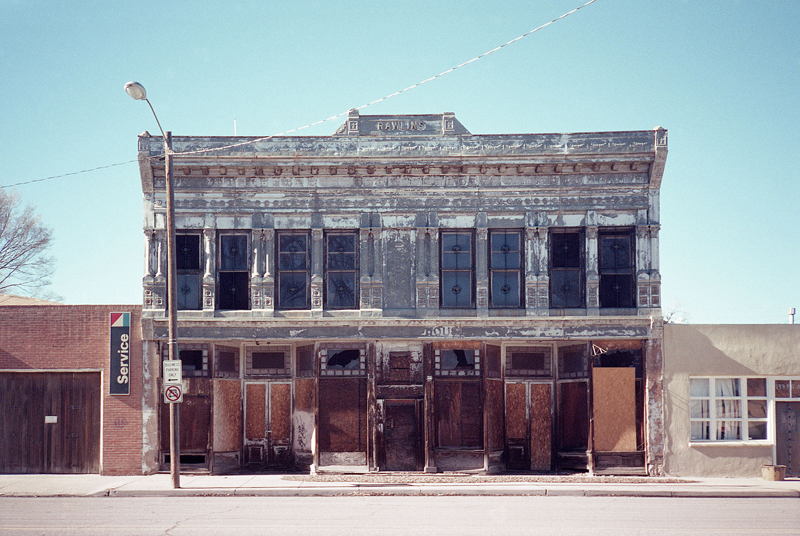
(75, 337)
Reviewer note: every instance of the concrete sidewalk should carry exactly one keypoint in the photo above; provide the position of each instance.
(293, 485)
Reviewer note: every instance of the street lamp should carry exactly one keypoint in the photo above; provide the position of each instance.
(137, 91)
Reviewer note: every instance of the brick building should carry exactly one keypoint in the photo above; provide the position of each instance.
(406, 295)
(56, 411)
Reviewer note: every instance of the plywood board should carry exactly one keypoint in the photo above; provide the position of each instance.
(342, 415)
(494, 413)
(516, 412)
(541, 427)
(614, 407)
(256, 411)
(227, 415)
(280, 404)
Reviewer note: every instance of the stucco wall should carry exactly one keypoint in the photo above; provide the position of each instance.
(720, 350)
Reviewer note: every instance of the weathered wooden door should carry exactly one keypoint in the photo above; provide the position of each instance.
(50, 422)
(401, 435)
(268, 430)
(195, 425)
(788, 436)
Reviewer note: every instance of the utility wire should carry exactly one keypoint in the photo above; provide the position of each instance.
(331, 118)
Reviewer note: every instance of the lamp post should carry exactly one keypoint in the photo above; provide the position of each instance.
(137, 91)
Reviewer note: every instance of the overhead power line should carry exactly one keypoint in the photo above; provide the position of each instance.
(331, 118)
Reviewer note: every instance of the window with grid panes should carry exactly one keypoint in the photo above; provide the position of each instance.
(567, 280)
(188, 262)
(233, 274)
(616, 256)
(294, 270)
(457, 274)
(341, 270)
(728, 409)
(505, 269)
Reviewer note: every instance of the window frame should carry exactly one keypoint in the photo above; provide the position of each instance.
(457, 271)
(285, 370)
(236, 273)
(186, 276)
(580, 269)
(329, 273)
(505, 271)
(281, 273)
(713, 420)
(627, 272)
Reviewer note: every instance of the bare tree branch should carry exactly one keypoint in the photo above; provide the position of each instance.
(25, 266)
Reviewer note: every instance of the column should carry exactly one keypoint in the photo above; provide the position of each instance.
(643, 265)
(317, 281)
(655, 270)
(592, 272)
(209, 265)
(482, 271)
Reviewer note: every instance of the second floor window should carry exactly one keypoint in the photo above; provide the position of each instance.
(567, 287)
(294, 270)
(616, 267)
(457, 270)
(505, 268)
(187, 247)
(341, 270)
(233, 277)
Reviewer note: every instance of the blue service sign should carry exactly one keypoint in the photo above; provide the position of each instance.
(120, 376)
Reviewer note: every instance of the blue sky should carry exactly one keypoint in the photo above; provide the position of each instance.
(722, 77)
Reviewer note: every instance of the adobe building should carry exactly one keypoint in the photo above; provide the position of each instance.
(732, 398)
(406, 295)
(70, 399)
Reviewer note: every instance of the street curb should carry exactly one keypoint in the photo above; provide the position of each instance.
(358, 490)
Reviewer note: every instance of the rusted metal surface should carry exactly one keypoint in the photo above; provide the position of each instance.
(227, 416)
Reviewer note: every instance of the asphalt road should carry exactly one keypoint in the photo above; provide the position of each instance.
(370, 515)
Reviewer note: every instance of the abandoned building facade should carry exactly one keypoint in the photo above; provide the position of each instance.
(406, 295)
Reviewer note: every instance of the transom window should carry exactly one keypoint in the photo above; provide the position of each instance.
(268, 360)
(505, 269)
(457, 270)
(457, 362)
(294, 269)
(535, 361)
(341, 269)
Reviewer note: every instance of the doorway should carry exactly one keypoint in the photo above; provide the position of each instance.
(787, 445)
(401, 435)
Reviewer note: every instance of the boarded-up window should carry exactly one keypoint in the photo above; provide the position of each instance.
(614, 409)
(399, 367)
(459, 415)
(343, 415)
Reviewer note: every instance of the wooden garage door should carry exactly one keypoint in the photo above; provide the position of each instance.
(50, 422)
